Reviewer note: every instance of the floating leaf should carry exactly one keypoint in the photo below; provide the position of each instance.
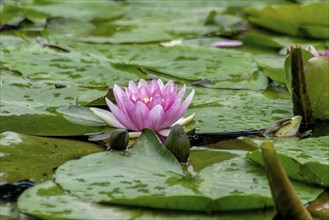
(309, 20)
(273, 67)
(184, 63)
(48, 201)
(148, 175)
(10, 13)
(173, 22)
(41, 10)
(36, 158)
(231, 110)
(305, 160)
(41, 62)
(29, 107)
(9, 211)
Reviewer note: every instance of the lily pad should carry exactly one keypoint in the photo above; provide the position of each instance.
(40, 10)
(186, 64)
(304, 160)
(29, 106)
(10, 14)
(273, 67)
(261, 39)
(148, 175)
(49, 201)
(165, 21)
(233, 110)
(309, 20)
(42, 61)
(36, 158)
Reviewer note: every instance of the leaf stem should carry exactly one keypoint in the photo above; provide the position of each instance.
(287, 203)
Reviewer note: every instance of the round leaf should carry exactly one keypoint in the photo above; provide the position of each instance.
(148, 175)
(36, 158)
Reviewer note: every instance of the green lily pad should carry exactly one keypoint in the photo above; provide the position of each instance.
(233, 110)
(273, 67)
(165, 21)
(148, 175)
(36, 158)
(8, 210)
(305, 160)
(48, 201)
(262, 39)
(23, 96)
(45, 125)
(317, 81)
(41, 61)
(293, 19)
(40, 10)
(10, 13)
(186, 64)
(29, 106)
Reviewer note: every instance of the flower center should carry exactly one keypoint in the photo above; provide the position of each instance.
(147, 100)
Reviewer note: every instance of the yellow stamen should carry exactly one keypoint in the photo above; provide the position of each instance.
(147, 100)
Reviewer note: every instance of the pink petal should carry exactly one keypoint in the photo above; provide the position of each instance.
(131, 108)
(171, 116)
(169, 87)
(161, 85)
(132, 86)
(154, 86)
(176, 111)
(181, 93)
(156, 100)
(168, 101)
(313, 51)
(186, 103)
(141, 115)
(142, 82)
(120, 116)
(325, 54)
(118, 94)
(143, 93)
(155, 116)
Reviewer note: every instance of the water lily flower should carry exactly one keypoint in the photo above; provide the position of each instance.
(155, 106)
(316, 53)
